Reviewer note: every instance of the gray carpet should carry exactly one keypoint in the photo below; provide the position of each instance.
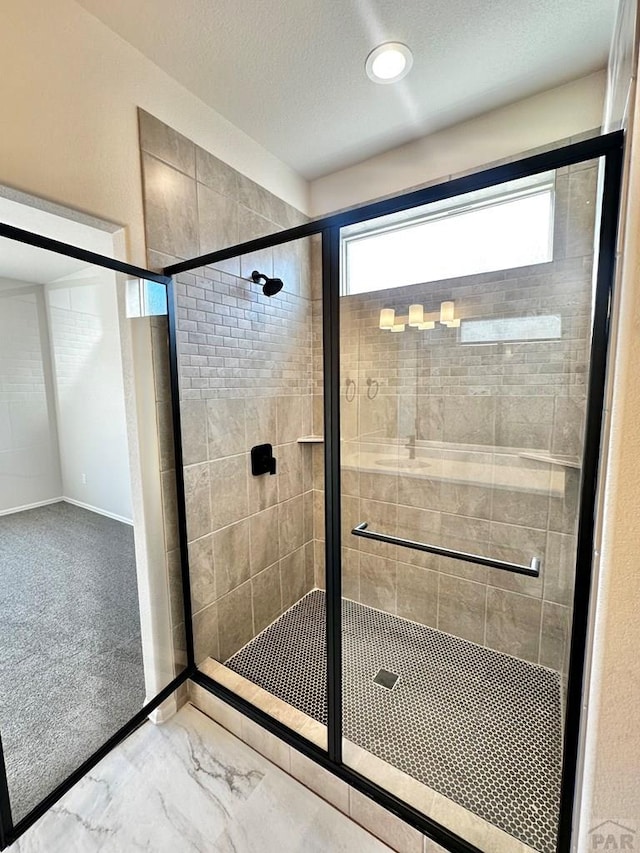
(480, 727)
(71, 670)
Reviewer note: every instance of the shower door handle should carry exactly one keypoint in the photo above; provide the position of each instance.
(532, 570)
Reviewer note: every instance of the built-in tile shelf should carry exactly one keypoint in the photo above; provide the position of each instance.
(551, 460)
(311, 439)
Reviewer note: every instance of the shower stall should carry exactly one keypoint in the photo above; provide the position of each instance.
(400, 588)
(379, 447)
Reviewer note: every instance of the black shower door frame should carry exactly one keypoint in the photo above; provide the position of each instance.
(610, 148)
(10, 831)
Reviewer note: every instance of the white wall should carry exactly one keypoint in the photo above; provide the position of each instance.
(557, 114)
(87, 363)
(69, 89)
(29, 462)
(611, 780)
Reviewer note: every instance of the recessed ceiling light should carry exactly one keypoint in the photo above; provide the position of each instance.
(389, 62)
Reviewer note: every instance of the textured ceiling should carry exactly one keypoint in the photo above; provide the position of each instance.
(291, 74)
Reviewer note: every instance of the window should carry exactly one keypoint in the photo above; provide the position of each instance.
(475, 233)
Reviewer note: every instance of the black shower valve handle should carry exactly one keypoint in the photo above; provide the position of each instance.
(262, 460)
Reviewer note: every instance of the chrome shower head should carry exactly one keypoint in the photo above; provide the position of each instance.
(271, 286)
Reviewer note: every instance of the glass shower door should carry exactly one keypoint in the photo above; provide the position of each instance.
(75, 668)
(465, 334)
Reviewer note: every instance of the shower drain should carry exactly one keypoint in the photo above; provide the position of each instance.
(386, 679)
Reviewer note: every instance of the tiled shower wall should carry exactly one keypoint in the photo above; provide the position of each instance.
(485, 403)
(251, 372)
(245, 364)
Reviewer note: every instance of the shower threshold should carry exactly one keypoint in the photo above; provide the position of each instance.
(480, 727)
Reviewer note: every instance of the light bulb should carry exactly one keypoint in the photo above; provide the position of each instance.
(416, 315)
(446, 313)
(388, 62)
(387, 318)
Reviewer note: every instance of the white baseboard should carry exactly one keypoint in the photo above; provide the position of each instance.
(30, 506)
(64, 499)
(165, 711)
(98, 510)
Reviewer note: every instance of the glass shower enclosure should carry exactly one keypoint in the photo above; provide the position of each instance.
(387, 430)
(400, 589)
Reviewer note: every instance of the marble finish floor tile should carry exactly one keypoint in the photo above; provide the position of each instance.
(191, 787)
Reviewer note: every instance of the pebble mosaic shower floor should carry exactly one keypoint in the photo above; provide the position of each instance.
(480, 727)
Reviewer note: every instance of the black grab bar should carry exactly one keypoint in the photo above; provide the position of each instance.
(532, 570)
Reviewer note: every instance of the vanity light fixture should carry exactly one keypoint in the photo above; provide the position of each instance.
(416, 319)
(389, 62)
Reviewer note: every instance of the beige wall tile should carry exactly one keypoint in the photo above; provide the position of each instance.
(171, 221)
(464, 499)
(469, 420)
(215, 708)
(261, 421)
(201, 572)
(381, 517)
(231, 556)
(289, 419)
(216, 174)
(225, 428)
(267, 597)
(264, 539)
(166, 144)
(351, 574)
(293, 577)
(291, 525)
(513, 624)
(165, 435)
(319, 562)
(274, 749)
(263, 491)
(521, 508)
(197, 496)
(318, 514)
(559, 568)
(554, 635)
(169, 509)
(217, 220)
(307, 510)
(205, 633)
(229, 500)
(176, 598)
(568, 426)
(462, 608)
(417, 596)
(309, 565)
(378, 582)
(289, 468)
(193, 423)
(384, 825)
(261, 261)
(235, 620)
(323, 783)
